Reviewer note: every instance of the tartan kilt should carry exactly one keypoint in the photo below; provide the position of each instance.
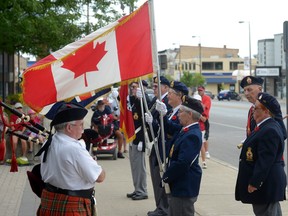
(60, 204)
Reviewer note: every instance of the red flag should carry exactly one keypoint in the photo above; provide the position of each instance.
(126, 118)
(117, 52)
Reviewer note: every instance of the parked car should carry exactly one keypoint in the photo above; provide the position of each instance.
(209, 93)
(228, 95)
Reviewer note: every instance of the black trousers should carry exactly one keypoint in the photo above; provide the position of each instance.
(269, 209)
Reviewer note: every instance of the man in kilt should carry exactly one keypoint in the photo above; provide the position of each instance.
(67, 168)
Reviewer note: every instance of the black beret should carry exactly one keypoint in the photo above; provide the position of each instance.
(163, 80)
(192, 103)
(69, 112)
(144, 83)
(251, 80)
(269, 102)
(179, 86)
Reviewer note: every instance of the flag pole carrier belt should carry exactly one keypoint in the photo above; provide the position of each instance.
(77, 193)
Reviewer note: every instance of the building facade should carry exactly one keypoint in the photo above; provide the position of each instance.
(272, 65)
(215, 64)
(11, 65)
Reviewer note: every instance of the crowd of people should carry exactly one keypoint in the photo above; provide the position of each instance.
(176, 184)
(14, 123)
(178, 126)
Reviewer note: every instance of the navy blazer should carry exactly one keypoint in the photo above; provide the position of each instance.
(184, 177)
(261, 165)
(156, 126)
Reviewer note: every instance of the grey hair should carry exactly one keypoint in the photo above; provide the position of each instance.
(195, 115)
(61, 127)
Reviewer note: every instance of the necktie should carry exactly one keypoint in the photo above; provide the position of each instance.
(251, 121)
(170, 114)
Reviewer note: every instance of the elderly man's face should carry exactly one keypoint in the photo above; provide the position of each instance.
(76, 129)
(174, 98)
(184, 116)
(133, 88)
(260, 112)
(251, 92)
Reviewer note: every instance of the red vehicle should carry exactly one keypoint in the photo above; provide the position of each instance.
(101, 136)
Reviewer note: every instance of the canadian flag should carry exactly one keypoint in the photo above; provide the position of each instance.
(117, 52)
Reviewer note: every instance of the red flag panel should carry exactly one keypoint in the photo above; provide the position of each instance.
(126, 118)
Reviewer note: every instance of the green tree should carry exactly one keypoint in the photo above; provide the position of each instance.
(192, 79)
(36, 27)
(40, 26)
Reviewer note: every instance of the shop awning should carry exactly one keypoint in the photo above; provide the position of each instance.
(220, 80)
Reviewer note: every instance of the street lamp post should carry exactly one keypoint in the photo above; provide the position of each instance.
(250, 60)
(200, 57)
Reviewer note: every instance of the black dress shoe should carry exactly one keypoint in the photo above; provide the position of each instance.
(120, 155)
(139, 197)
(130, 195)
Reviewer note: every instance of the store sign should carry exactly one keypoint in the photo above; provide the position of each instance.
(268, 71)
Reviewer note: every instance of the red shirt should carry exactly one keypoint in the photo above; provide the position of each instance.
(13, 119)
(206, 101)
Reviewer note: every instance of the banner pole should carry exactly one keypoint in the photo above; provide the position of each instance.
(156, 61)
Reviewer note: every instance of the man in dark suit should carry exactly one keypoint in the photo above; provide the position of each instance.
(159, 192)
(176, 91)
(183, 173)
(137, 146)
(261, 177)
(252, 86)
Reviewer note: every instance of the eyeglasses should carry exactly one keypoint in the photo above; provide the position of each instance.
(79, 125)
(133, 87)
(258, 108)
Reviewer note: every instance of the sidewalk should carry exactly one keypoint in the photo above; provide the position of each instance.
(216, 196)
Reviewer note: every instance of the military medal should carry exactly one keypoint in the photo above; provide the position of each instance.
(249, 81)
(135, 116)
(249, 154)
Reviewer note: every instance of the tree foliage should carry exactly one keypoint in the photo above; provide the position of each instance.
(192, 80)
(40, 26)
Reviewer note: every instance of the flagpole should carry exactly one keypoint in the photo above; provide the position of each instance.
(156, 61)
(143, 100)
(155, 141)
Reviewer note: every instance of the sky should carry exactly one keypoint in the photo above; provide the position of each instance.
(216, 22)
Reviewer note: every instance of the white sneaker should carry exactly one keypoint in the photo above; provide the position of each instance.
(207, 155)
(204, 165)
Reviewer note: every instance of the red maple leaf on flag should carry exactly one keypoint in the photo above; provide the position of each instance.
(85, 59)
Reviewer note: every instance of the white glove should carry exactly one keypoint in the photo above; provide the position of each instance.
(161, 107)
(148, 118)
(140, 146)
(115, 94)
(139, 93)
